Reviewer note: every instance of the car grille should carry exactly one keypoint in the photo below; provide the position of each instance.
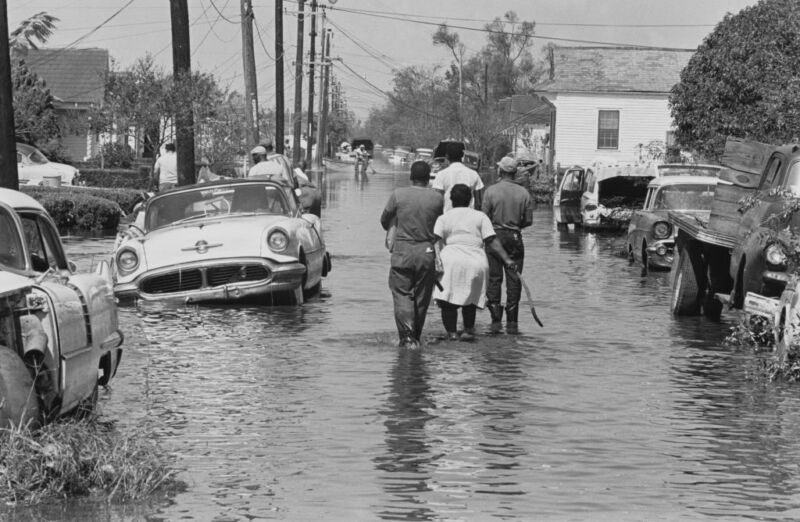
(207, 277)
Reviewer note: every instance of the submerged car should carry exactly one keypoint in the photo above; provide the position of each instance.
(223, 241)
(35, 169)
(59, 335)
(651, 238)
(601, 196)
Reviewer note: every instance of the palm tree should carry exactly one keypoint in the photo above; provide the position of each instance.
(37, 28)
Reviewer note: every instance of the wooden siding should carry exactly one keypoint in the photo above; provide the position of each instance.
(642, 118)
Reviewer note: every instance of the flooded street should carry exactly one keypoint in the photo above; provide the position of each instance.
(613, 411)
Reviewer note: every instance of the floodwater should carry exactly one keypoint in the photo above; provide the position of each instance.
(613, 411)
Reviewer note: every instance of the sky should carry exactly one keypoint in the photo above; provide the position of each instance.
(370, 38)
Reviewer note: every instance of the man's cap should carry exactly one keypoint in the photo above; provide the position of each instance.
(258, 149)
(507, 164)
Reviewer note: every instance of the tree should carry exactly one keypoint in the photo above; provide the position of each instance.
(38, 27)
(743, 81)
(453, 42)
(507, 52)
(35, 118)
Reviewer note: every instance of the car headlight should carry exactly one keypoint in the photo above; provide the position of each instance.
(775, 255)
(662, 230)
(661, 250)
(127, 260)
(278, 241)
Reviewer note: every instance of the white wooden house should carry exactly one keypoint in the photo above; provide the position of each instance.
(610, 103)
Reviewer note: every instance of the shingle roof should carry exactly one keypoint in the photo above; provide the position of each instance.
(614, 69)
(522, 109)
(73, 75)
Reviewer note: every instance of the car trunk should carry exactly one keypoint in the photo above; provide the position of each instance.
(620, 196)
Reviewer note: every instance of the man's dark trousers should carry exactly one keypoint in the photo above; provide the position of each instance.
(411, 279)
(512, 242)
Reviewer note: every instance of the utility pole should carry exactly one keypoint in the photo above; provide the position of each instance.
(297, 120)
(280, 112)
(311, 57)
(325, 51)
(182, 75)
(9, 178)
(250, 87)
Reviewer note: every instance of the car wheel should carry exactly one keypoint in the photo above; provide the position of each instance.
(18, 400)
(685, 287)
(645, 261)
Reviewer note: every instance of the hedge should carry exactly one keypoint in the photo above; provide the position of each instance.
(124, 197)
(115, 178)
(79, 211)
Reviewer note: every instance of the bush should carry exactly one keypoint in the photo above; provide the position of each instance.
(79, 211)
(125, 198)
(116, 178)
(115, 155)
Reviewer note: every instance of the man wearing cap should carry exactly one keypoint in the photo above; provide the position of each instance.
(510, 209)
(262, 166)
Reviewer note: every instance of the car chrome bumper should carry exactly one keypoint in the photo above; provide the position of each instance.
(280, 277)
(660, 253)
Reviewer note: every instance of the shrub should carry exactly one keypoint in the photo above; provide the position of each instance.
(115, 155)
(74, 210)
(116, 178)
(125, 198)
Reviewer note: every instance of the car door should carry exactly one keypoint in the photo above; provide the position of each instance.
(641, 221)
(569, 195)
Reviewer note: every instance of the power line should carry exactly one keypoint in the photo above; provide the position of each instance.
(220, 12)
(491, 31)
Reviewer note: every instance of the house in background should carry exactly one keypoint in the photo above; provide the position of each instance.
(528, 124)
(76, 79)
(609, 103)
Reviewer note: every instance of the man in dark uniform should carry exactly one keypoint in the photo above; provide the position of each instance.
(510, 209)
(413, 211)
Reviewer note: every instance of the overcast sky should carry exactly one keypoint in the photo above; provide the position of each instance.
(370, 36)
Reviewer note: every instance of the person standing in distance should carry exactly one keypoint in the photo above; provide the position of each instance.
(509, 207)
(458, 173)
(165, 171)
(262, 166)
(413, 210)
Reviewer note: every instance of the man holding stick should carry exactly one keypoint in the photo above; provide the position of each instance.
(510, 209)
(412, 211)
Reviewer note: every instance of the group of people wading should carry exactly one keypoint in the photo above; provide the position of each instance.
(455, 237)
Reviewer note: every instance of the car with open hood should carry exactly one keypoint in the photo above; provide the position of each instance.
(59, 333)
(231, 240)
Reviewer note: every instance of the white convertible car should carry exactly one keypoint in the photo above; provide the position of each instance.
(221, 241)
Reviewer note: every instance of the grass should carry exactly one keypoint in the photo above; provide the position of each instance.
(756, 334)
(82, 458)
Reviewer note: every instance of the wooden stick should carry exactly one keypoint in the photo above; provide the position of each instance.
(530, 298)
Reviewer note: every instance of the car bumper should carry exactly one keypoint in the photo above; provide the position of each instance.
(196, 282)
(661, 253)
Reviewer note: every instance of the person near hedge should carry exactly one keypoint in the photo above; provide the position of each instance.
(411, 212)
(509, 206)
(462, 235)
(165, 171)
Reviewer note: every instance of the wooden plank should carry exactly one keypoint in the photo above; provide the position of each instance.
(725, 215)
(697, 227)
(746, 155)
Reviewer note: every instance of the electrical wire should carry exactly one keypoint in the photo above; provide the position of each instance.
(222, 15)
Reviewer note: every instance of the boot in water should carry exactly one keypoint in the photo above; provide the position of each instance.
(512, 313)
(496, 311)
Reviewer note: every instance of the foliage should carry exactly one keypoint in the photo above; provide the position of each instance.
(35, 118)
(126, 198)
(38, 27)
(744, 81)
(76, 211)
(116, 178)
(81, 458)
(116, 155)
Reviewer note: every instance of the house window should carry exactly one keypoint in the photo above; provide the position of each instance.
(608, 130)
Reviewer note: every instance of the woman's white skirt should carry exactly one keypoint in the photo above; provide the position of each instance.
(466, 271)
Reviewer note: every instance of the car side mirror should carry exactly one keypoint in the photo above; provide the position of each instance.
(298, 192)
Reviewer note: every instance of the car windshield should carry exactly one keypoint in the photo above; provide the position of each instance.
(225, 200)
(684, 197)
(32, 153)
(12, 254)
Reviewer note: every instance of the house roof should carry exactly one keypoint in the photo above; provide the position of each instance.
(614, 69)
(72, 75)
(523, 109)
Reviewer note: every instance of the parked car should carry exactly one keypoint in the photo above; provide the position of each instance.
(222, 241)
(471, 158)
(651, 238)
(601, 196)
(681, 169)
(35, 169)
(59, 334)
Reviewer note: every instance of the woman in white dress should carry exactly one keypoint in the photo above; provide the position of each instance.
(461, 235)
